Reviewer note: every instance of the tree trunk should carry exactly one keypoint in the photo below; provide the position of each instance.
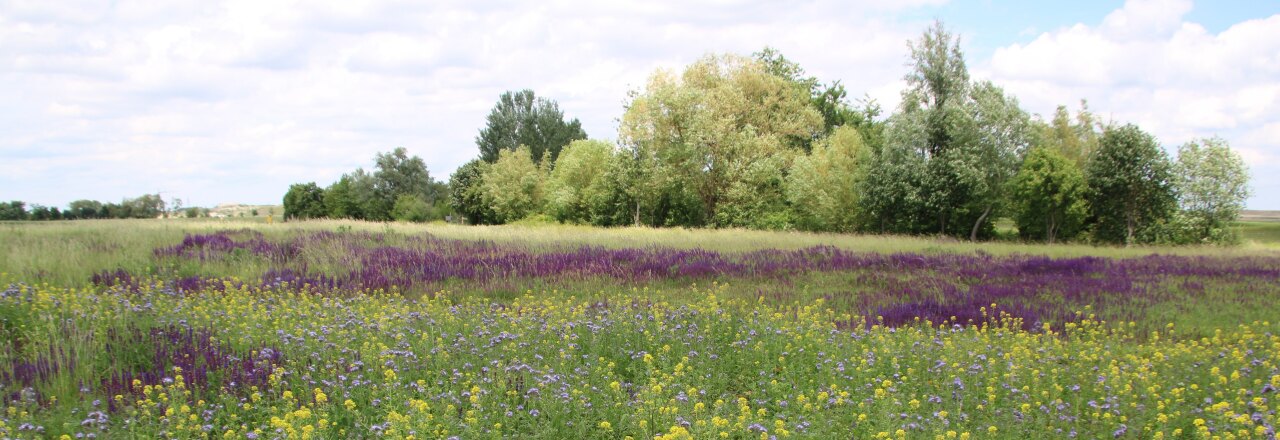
(1049, 233)
(1128, 231)
(973, 233)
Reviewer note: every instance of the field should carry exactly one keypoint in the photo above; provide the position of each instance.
(329, 329)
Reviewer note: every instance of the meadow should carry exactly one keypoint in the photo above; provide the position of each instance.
(339, 329)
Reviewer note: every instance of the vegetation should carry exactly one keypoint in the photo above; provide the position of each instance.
(187, 329)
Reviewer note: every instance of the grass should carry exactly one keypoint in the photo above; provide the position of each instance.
(68, 253)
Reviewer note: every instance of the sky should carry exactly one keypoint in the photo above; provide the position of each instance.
(232, 101)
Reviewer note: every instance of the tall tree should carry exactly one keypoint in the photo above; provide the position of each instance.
(399, 174)
(1049, 196)
(997, 138)
(1213, 184)
(938, 84)
(521, 118)
(830, 101)
(1131, 185)
(1075, 139)
(710, 129)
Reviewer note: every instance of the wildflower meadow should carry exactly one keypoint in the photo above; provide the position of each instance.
(353, 330)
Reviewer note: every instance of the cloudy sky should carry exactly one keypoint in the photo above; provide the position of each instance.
(231, 101)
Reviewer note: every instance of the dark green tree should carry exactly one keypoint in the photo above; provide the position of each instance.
(399, 174)
(1049, 196)
(521, 118)
(85, 209)
(466, 193)
(1131, 186)
(304, 201)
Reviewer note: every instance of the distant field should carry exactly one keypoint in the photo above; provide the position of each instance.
(236, 328)
(1260, 216)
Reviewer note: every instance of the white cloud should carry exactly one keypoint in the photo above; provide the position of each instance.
(234, 100)
(1147, 65)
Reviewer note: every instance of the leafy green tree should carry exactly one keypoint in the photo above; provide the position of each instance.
(996, 139)
(1049, 196)
(576, 179)
(338, 201)
(829, 100)
(1076, 140)
(514, 185)
(40, 213)
(824, 187)
(412, 208)
(466, 193)
(1213, 184)
(144, 206)
(1131, 186)
(399, 174)
(304, 201)
(893, 198)
(711, 129)
(521, 118)
(937, 124)
(85, 209)
(372, 200)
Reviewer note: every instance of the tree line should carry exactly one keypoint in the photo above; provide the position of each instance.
(144, 206)
(755, 142)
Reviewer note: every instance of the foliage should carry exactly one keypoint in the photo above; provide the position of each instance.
(514, 186)
(14, 210)
(577, 179)
(1049, 194)
(824, 187)
(521, 118)
(1213, 184)
(1074, 140)
(709, 130)
(996, 140)
(412, 208)
(1131, 188)
(304, 201)
(466, 193)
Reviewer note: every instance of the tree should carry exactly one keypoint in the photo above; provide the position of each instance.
(997, 138)
(939, 123)
(144, 206)
(466, 193)
(412, 208)
(398, 174)
(938, 84)
(84, 209)
(14, 210)
(711, 129)
(1049, 196)
(829, 100)
(520, 118)
(1213, 184)
(1131, 185)
(304, 201)
(40, 213)
(1074, 140)
(824, 187)
(513, 186)
(577, 179)
(338, 200)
